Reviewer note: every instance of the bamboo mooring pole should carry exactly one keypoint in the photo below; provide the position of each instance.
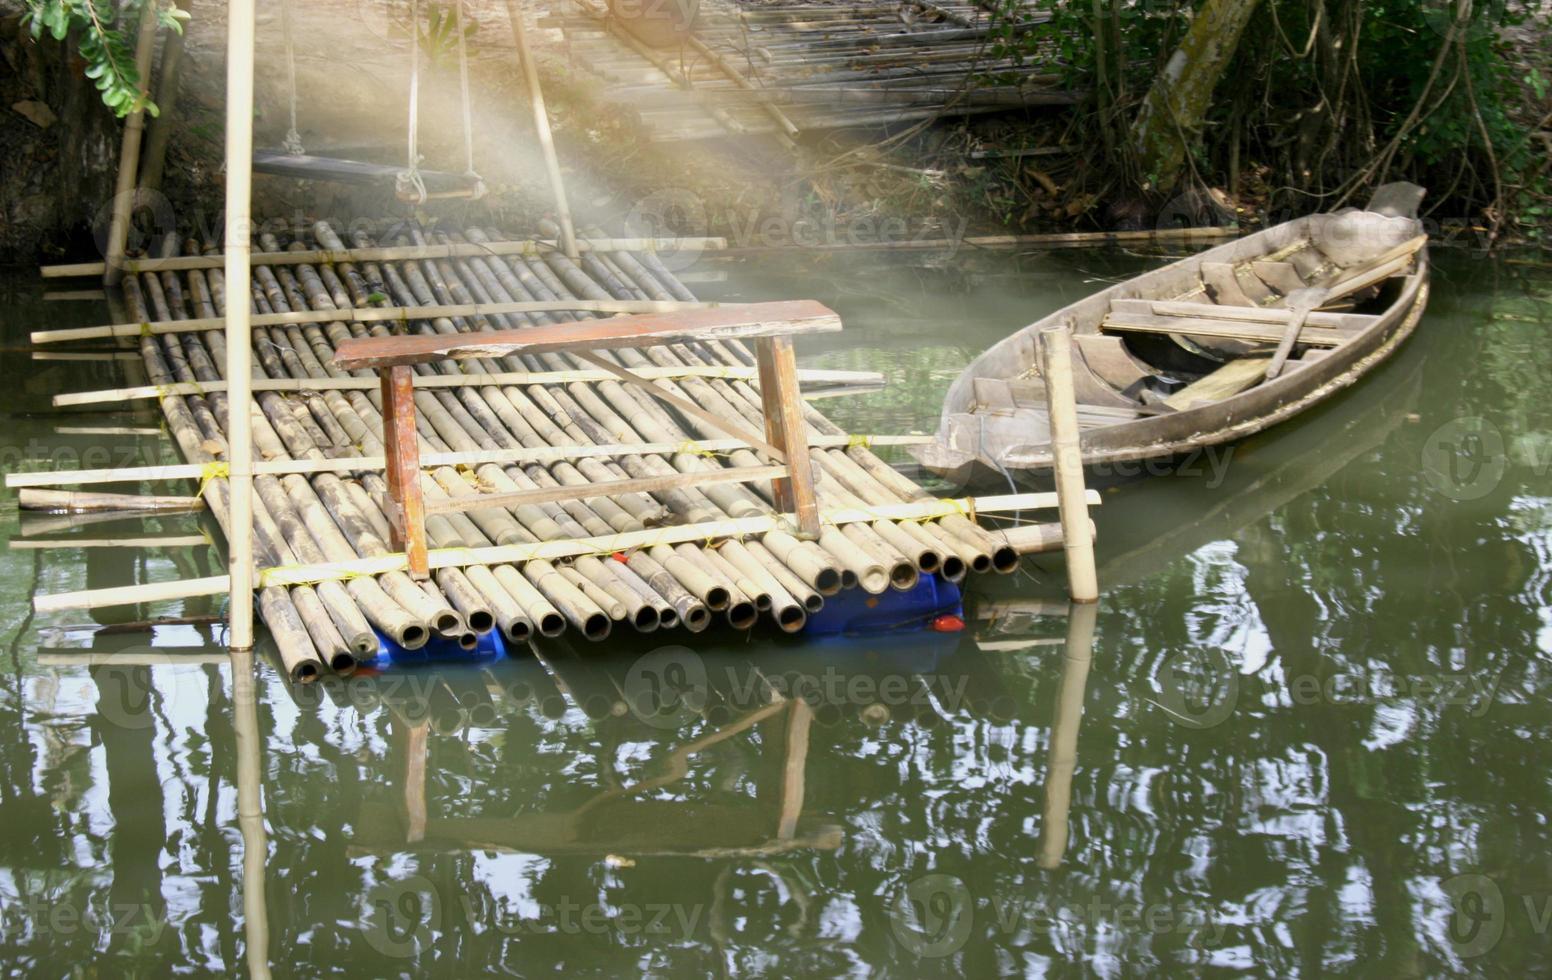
(129, 151)
(239, 343)
(568, 234)
(1067, 459)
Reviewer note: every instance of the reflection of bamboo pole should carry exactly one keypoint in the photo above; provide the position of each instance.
(239, 342)
(1064, 733)
(568, 234)
(129, 150)
(799, 717)
(409, 739)
(250, 802)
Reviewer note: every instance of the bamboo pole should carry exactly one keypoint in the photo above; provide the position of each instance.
(546, 551)
(239, 344)
(66, 502)
(166, 105)
(117, 395)
(385, 254)
(1067, 456)
(568, 235)
(356, 464)
(169, 541)
(129, 150)
(394, 314)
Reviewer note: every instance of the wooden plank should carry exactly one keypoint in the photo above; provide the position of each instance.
(1231, 379)
(651, 484)
(1220, 329)
(499, 378)
(279, 163)
(784, 426)
(368, 314)
(1280, 315)
(353, 464)
(921, 510)
(407, 513)
(722, 323)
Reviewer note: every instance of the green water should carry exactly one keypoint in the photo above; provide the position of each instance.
(1304, 732)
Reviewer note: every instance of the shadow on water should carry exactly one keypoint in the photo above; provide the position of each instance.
(1297, 736)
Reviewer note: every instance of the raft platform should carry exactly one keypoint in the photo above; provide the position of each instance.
(681, 538)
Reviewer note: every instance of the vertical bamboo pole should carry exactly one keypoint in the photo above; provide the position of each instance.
(239, 343)
(568, 234)
(129, 152)
(1067, 462)
(166, 102)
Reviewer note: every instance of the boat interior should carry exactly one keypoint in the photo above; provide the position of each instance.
(1213, 329)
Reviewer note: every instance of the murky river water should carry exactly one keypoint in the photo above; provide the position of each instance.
(1305, 730)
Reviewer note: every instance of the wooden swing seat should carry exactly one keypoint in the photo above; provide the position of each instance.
(440, 184)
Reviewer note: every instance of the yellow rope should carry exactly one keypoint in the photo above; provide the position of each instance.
(214, 470)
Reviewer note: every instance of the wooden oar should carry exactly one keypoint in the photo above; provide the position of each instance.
(1302, 302)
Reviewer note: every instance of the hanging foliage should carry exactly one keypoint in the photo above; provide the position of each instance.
(104, 32)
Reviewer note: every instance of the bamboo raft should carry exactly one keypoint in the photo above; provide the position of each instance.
(787, 67)
(650, 560)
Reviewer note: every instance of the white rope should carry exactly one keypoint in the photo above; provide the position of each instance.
(468, 116)
(293, 141)
(409, 179)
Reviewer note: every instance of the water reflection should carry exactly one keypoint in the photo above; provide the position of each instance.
(692, 807)
(1305, 741)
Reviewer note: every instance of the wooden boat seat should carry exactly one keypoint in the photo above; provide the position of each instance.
(1231, 379)
(1267, 332)
(1347, 322)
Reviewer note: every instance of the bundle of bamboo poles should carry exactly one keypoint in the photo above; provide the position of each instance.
(787, 68)
(339, 516)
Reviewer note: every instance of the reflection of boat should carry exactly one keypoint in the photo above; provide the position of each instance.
(1207, 350)
(1139, 535)
(1147, 526)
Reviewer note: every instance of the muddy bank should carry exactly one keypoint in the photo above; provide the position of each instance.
(58, 145)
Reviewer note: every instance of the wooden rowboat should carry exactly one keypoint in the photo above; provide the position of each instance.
(1204, 351)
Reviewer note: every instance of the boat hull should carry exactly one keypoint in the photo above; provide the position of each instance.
(970, 441)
